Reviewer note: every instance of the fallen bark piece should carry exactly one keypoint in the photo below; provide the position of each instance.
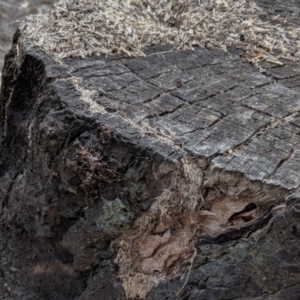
(170, 176)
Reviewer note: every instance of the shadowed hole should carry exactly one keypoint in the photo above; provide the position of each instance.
(248, 208)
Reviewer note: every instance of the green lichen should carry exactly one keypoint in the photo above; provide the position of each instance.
(114, 217)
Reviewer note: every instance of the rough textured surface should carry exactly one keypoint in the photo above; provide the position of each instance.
(200, 143)
(12, 12)
(128, 27)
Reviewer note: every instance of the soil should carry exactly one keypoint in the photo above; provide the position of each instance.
(12, 12)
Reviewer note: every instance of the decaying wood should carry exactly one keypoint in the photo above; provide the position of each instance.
(170, 176)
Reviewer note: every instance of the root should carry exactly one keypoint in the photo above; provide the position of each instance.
(188, 276)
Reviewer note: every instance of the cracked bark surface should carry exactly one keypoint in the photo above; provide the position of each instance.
(90, 146)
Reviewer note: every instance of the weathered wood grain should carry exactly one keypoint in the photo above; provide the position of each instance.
(90, 146)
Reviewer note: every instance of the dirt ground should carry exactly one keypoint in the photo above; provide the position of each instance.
(12, 12)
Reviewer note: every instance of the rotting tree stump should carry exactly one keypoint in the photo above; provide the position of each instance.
(171, 176)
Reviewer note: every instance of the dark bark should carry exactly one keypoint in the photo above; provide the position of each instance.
(89, 145)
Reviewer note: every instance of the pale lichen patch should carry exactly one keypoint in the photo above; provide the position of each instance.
(88, 95)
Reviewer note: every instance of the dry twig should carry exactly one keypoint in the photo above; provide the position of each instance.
(188, 276)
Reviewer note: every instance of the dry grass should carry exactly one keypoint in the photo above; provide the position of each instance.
(93, 27)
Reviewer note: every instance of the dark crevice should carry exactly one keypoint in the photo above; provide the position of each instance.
(206, 98)
(257, 132)
(6, 197)
(237, 233)
(199, 128)
(102, 75)
(95, 67)
(282, 162)
(248, 208)
(153, 98)
(285, 78)
(258, 110)
(121, 88)
(165, 113)
(262, 85)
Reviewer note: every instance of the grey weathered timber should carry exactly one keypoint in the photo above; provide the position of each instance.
(90, 146)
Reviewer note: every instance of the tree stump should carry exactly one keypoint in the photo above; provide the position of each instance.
(170, 176)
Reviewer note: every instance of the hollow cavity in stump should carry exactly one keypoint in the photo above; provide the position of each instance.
(194, 205)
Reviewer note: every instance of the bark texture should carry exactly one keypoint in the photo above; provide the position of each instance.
(200, 144)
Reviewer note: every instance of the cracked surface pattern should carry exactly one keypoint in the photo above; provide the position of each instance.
(204, 104)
